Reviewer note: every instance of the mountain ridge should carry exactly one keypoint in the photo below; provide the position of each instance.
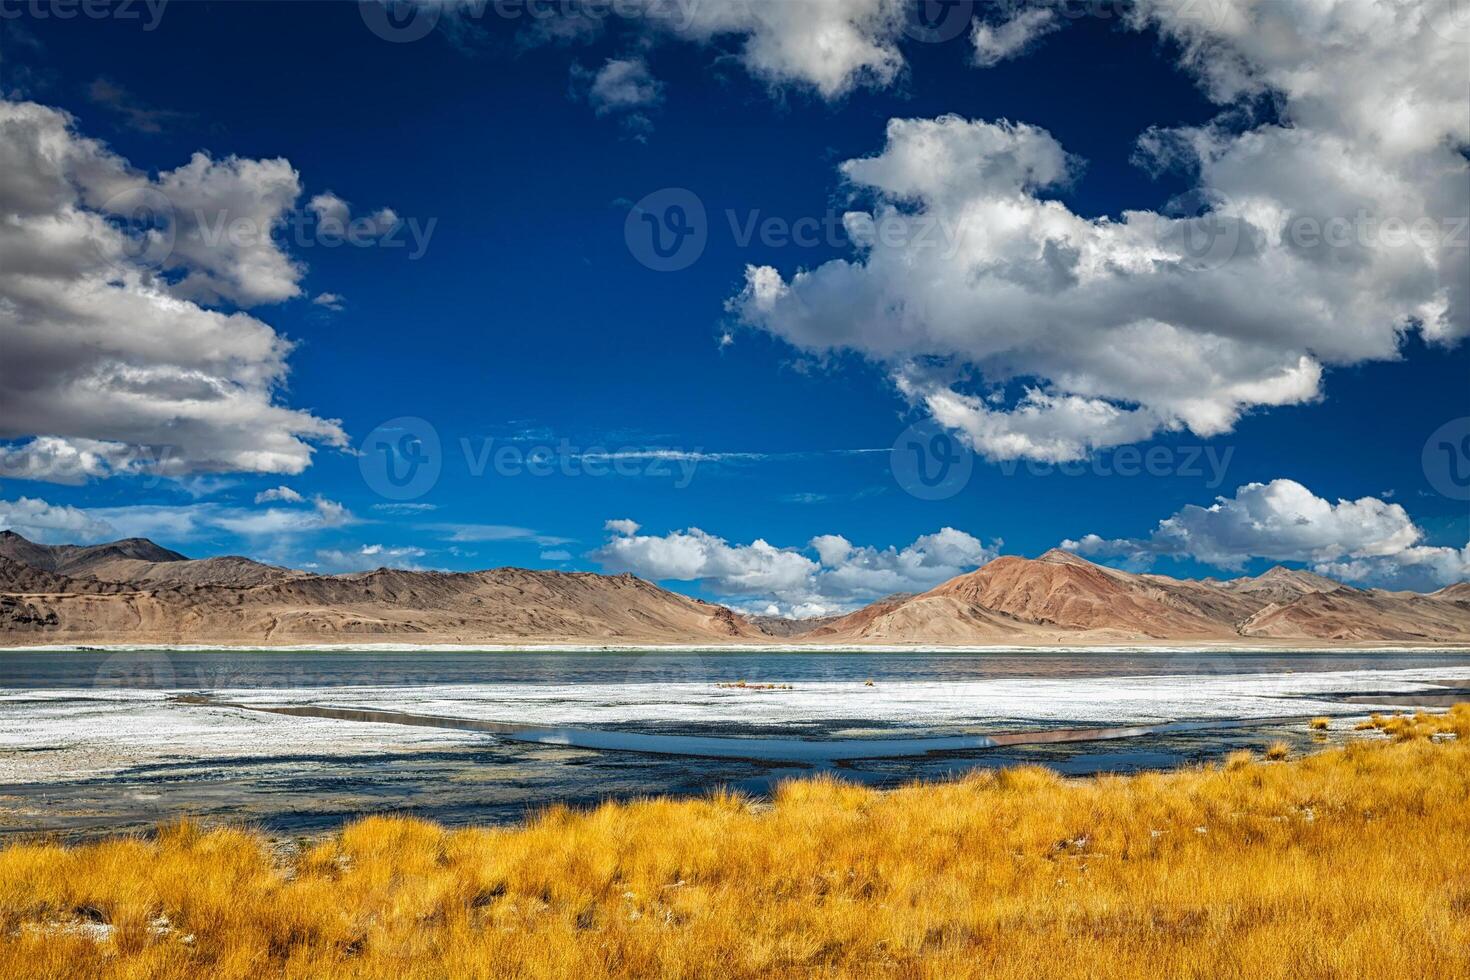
(134, 591)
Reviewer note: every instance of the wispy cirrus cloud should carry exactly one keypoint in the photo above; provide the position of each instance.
(475, 533)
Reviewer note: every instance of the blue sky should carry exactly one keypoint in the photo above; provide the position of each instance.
(499, 293)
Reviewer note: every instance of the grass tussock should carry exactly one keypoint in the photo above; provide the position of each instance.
(1347, 863)
(1406, 728)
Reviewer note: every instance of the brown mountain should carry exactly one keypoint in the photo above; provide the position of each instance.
(138, 561)
(1356, 614)
(134, 591)
(78, 560)
(1061, 597)
(1283, 584)
(236, 601)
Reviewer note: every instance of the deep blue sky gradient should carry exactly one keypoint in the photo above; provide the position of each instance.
(527, 313)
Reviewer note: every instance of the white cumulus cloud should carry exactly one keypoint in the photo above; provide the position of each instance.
(1324, 235)
(830, 574)
(58, 524)
(283, 494)
(109, 351)
(828, 47)
(1368, 540)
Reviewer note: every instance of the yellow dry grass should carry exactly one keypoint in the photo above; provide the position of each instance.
(1348, 863)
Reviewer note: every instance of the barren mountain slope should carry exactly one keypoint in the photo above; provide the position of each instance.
(136, 592)
(925, 618)
(228, 570)
(1061, 597)
(1354, 614)
(1062, 590)
(191, 606)
(76, 560)
(1282, 585)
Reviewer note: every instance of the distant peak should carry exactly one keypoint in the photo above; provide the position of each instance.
(1063, 557)
(1280, 573)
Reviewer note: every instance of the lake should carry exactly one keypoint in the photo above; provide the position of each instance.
(98, 741)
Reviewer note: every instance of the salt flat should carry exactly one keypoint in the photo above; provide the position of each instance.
(57, 735)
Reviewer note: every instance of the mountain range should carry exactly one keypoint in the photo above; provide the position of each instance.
(135, 591)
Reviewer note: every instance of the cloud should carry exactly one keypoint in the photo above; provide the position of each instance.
(556, 555)
(468, 533)
(622, 526)
(405, 508)
(829, 575)
(62, 524)
(72, 461)
(999, 40)
(283, 494)
(620, 85)
(51, 523)
(143, 118)
(369, 558)
(1323, 237)
(335, 221)
(331, 301)
(828, 47)
(106, 340)
(222, 216)
(1367, 540)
